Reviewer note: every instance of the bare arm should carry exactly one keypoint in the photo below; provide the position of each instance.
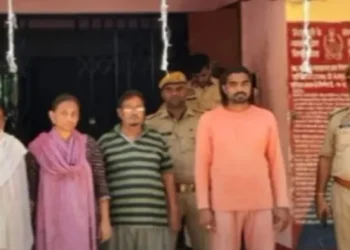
(168, 178)
(169, 183)
(323, 174)
(104, 210)
(324, 165)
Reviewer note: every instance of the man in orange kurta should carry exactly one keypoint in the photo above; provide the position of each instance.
(239, 171)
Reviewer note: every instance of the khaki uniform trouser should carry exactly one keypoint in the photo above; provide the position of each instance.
(199, 237)
(341, 214)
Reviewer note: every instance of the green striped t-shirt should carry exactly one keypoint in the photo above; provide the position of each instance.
(134, 175)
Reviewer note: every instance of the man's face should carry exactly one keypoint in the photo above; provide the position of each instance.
(132, 111)
(66, 116)
(203, 77)
(174, 94)
(2, 120)
(238, 88)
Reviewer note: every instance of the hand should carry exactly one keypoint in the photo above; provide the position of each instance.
(105, 231)
(206, 219)
(281, 219)
(175, 220)
(322, 207)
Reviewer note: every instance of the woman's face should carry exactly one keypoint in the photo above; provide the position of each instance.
(66, 116)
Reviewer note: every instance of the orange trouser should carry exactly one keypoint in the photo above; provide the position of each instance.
(257, 227)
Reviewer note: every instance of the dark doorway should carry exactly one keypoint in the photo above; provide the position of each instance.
(95, 58)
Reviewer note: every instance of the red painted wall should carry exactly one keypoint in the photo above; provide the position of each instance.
(217, 33)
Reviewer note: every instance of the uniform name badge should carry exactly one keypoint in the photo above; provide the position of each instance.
(345, 123)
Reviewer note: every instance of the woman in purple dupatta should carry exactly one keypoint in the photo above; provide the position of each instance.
(67, 181)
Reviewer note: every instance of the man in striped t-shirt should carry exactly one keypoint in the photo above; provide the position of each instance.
(141, 183)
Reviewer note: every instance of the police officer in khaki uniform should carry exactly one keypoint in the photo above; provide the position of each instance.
(177, 123)
(335, 162)
(204, 93)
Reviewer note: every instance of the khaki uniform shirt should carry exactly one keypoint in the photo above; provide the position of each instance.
(337, 142)
(205, 98)
(180, 136)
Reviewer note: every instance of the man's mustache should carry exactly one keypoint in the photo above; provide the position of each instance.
(240, 93)
(134, 116)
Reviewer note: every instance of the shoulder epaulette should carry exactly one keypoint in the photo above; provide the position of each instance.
(215, 81)
(337, 111)
(191, 92)
(152, 130)
(198, 111)
(190, 98)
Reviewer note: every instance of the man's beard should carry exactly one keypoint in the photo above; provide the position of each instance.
(239, 98)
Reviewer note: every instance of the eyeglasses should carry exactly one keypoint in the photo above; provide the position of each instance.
(134, 109)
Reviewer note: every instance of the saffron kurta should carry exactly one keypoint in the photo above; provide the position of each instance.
(240, 176)
(239, 159)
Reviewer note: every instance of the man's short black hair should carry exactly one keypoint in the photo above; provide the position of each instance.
(237, 70)
(198, 62)
(130, 94)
